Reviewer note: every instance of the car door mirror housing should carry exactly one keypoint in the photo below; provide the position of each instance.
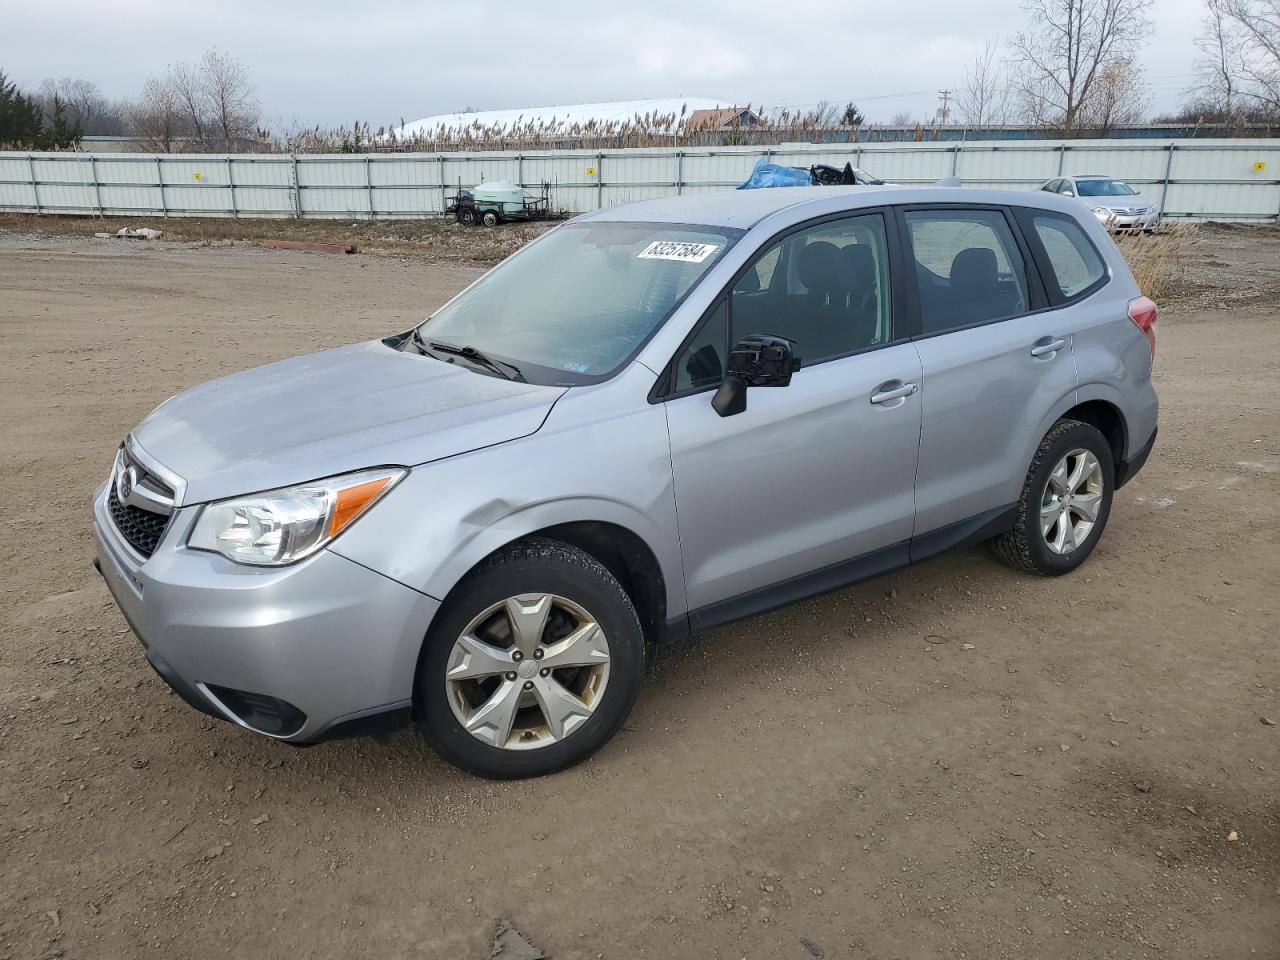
(760, 360)
(1068, 193)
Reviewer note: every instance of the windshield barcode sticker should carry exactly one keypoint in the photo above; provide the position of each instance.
(677, 250)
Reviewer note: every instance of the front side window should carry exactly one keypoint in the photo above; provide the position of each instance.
(1103, 188)
(826, 288)
(968, 268)
(1073, 260)
(574, 306)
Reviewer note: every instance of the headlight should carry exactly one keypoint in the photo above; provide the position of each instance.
(1102, 212)
(279, 527)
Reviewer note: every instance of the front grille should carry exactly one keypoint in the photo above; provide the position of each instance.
(142, 529)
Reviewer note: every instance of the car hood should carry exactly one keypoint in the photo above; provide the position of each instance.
(333, 412)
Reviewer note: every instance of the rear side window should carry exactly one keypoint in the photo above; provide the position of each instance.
(1074, 263)
(968, 268)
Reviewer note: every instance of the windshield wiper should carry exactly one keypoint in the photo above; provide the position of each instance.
(500, 367)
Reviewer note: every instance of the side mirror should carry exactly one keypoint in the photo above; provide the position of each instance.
(759, 360)
(1068, 193)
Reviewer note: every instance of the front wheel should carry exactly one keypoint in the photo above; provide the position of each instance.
(532, 665)
(1065, 502)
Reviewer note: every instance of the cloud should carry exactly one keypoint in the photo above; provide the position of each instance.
(331, 61)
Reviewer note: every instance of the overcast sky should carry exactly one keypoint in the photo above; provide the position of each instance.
(329, 62)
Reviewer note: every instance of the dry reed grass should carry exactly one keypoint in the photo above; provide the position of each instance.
(1159, 260)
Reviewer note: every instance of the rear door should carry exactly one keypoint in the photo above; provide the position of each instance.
(813, 475)
(995, 360)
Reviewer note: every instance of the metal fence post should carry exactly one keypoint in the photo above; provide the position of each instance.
(297, 191)
(955, 159)
(35, 191)
(368, 184)
(679, 172)
(1062, 156)
(444, 195)
(520, 169)
(599, 180)
(164, 205)
(231, 188)
(1168, 168)
(97, 189)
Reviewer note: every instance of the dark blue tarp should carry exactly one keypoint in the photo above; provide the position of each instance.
(766, 174)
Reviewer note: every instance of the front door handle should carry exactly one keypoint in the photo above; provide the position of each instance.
(893, 390)
(1046, 346)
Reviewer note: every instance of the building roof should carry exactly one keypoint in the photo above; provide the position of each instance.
(721, 117)
(566, 116)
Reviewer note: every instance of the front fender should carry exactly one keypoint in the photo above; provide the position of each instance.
(446, 517)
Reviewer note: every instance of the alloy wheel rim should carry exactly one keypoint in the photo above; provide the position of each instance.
(527, 671)
(1070, 502)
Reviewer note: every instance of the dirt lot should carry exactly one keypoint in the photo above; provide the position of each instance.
(954, 761)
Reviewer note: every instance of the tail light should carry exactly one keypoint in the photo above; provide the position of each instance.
(1142, 311)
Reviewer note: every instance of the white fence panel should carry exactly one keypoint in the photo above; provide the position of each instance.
(1223, 179)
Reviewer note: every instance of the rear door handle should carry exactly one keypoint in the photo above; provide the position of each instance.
(887, 392)
(1047, 346)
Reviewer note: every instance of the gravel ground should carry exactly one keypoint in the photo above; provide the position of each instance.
(953, 761)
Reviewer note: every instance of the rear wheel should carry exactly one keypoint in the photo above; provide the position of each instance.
(532, 665)
(490, 218)
(1065, 502)
(467, 216)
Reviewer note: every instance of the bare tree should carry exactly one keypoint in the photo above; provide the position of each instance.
(187, 88)
(1066, 47)
(208, 105)
(1218, 65)
(982, 99)
(1119, 98)
(901, 119)
(1255, 25)
(83, 105)
(229, 98)
(156, 118)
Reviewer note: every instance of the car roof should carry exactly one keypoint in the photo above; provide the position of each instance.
(743, 209)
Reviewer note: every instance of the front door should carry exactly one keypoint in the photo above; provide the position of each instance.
(815, 475)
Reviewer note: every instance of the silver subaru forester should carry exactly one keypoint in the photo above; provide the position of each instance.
(656, 418)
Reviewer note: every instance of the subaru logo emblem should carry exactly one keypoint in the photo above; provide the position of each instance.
(125, 484)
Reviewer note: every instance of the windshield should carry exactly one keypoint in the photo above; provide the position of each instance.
(1103, 188)
(861, 176)
(572, 307)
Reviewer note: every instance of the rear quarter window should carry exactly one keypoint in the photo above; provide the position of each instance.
(1074, 263)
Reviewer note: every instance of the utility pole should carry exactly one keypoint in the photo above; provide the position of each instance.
(944, 108)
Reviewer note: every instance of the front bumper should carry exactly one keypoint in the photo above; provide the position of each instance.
(326, 636)
(1149, 221)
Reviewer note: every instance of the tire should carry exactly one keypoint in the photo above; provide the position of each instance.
(467, 216)
(579, 593)
(1030, 546)
(490, 218)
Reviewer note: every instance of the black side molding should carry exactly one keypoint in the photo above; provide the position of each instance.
(846, 573)
(1126, 470)
(974, 530)
(364, 723)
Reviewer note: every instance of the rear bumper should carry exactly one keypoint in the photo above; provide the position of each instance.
(1126, 470)
(330, 643)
